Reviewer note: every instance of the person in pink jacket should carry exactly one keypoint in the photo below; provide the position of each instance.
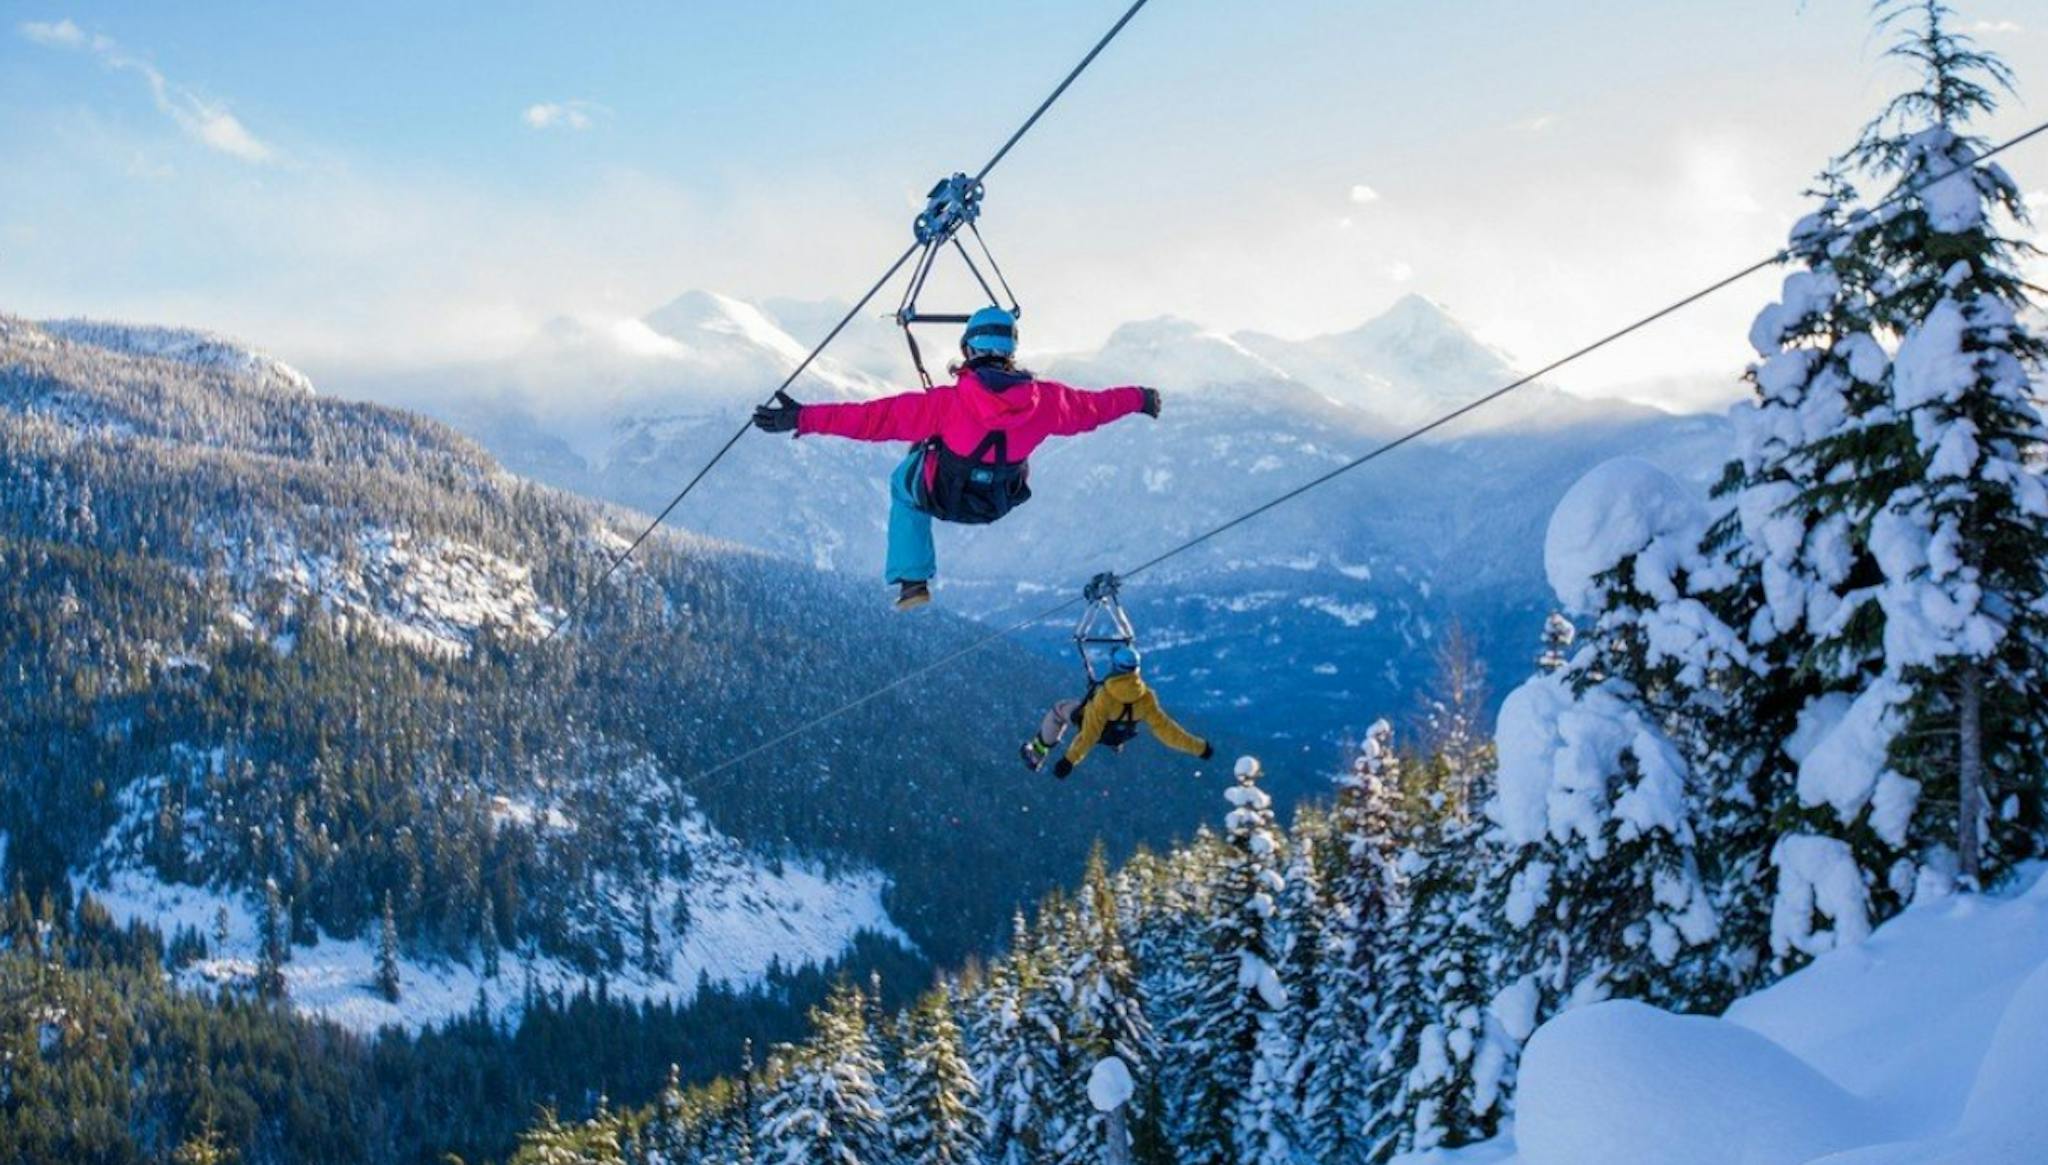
(973, 440)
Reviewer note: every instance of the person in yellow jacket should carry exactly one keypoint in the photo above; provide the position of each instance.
(1110, 715)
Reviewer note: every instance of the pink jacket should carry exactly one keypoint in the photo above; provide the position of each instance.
(961, 414)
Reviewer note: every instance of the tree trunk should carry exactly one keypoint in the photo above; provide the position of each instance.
(1970, 774)
(1119, 1149)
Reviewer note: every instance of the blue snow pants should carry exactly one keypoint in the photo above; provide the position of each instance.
(912, 557)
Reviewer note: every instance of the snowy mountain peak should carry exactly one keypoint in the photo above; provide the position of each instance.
(627, 338)
(733, 331)
(188, 346)
(1405, 364)
(1419, 336)
(1171, 351)
(1412, 313)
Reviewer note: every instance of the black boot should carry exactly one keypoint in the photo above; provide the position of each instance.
(913, 595)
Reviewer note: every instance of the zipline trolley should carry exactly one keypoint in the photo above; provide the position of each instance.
(1103, 627)
(952, 204)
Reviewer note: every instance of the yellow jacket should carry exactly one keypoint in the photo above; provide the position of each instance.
(1108, 703)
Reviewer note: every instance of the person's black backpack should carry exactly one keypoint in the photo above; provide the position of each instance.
(972, 490)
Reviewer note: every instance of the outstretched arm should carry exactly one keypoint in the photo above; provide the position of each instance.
(1075, 410)
(909, 416)
(1170, 734)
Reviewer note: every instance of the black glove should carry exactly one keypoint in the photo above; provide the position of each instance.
(779, 417)
(1208, 751)
(1151, 406)
(1061, 767)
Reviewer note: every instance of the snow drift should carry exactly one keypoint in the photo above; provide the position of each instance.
(1927, 1043)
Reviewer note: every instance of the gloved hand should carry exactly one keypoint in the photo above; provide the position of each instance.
(1061, 767)
(779, 417)
(1208, 751)
(1151, 406)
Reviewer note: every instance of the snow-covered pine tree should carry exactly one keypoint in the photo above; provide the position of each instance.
(1558, 634)
(550, 1142)
(1004, 1052)
(936, 1116)
(1438, 1057)
(665, 1141)
(274, 943)
(487, 937)
(1347, 1029)
(1280, 1078)
(1234, 1022)
(1464, 1055)
(387, 953)
(1598, 878)
(1113, 1041)
(1959, 528)
(1048, 1013)
(1171, 949)
(653, 961)
(746, 1107)
(824, 1109)
(1785, 553)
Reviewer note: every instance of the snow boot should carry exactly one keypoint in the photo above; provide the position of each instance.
(912, 595)
(1034, 753)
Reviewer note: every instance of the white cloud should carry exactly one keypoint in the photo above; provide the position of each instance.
(1537, 124)
(207, 122)
(1400, 271)
(1363, 194)
(58, 32)
(570, 115)
(1997, 26)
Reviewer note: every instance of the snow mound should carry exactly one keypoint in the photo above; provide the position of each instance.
(1623, 1083)
(1109, 1085)
(1911, 1017)
(1614, 511)
(1925, 1043)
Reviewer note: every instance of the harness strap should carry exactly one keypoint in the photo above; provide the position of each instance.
(997, 443)
(917, 357)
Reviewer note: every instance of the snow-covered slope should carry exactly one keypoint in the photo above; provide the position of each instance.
(1926, 1043)
(725, 920)
(187, 346)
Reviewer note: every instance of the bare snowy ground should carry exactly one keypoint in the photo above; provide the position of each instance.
(744, 913)
(1926, 1043)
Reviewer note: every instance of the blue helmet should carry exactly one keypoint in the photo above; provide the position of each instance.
(990, 332)
(1124, 660)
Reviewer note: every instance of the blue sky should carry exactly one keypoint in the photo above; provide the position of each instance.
(372, 186)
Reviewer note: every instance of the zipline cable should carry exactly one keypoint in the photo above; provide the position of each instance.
(618, 560)
(1873, 218)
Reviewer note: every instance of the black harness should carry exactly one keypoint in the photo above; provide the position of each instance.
(1120, 730)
